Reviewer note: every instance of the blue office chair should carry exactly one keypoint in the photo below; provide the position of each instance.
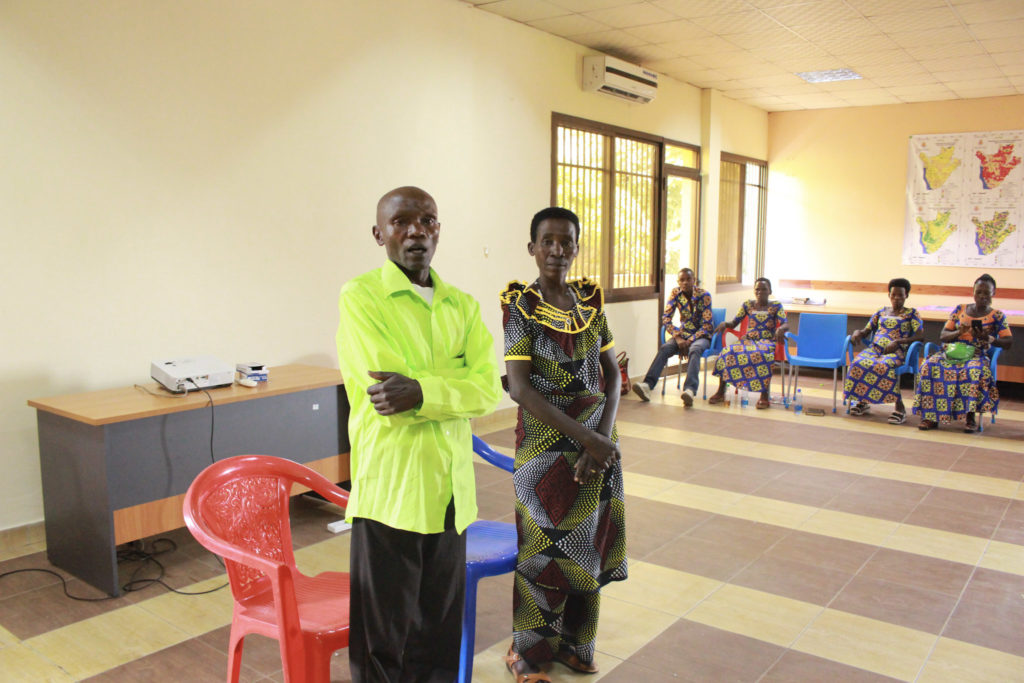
(993, 360)
(911, 364)
(492, 549)
(717, 316)
(821, 342)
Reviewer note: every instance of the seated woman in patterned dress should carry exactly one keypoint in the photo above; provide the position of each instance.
(748, 364)
(948, 390)
(570, 513)
(872, 375)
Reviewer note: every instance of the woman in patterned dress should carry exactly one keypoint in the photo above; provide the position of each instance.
(872, 375)
(748, 364)
(949, 390)
(570, 514)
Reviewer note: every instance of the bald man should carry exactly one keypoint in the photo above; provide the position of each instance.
(418, 363)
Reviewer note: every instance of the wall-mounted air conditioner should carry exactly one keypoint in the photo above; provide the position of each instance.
(613, 76)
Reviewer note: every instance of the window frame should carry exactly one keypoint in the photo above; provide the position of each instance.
(762, 201)
(660, 185)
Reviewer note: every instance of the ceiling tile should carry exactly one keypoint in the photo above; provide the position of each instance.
(993, 10)
(850, 44)
(699, 46)
(877, 71)
(569, 25)
(723, 59)
(942, 50)
(822, 34)
(701, 8)
(674, 66)
(1006, 58)
(645, 54)
(958, 63)
(739, 22)
(901, 80)
(787, 53)
(1018, 82)
(784, 80)
(1002, 44)
(819, 101)
(744, 93)
(967, 91)
(589, 5)
(931, 37)
(870, 98)
(524, 10)
(977, 83)
(753, 71)
(801, 89)
(610, 41)
(920, 20)
(936, 89)
(871, 8)
(826, 11)
(998, 29)
(864, 59)
(840, 87)
(968, 75)
(626, 16)
(766, 38)
(668, 32)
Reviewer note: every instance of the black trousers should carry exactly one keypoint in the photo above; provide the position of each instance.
(406, 605)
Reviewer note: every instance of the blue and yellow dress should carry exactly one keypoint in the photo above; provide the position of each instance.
(572, 537)
(872, 375)
(748, 364)
(947, 390)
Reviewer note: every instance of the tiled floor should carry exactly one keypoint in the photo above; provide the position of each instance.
(764, 546)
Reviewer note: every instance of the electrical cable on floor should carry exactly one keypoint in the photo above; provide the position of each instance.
(134, 553)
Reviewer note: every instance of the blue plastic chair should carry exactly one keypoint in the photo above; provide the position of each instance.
(492, 549)
(821, 342)
(993, 360)
(717, 316)
(911, 365)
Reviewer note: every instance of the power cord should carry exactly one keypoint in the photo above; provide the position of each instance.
(183, 394)
(136, 552)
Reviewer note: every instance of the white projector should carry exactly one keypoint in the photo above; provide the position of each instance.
(185, 374)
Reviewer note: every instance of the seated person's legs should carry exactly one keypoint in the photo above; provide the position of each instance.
(697, 349)
(643, 388)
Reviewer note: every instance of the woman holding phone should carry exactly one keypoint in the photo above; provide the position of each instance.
(957, 383)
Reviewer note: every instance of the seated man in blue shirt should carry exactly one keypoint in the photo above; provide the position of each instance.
(690, 339)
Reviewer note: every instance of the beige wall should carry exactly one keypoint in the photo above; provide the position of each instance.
(199, 177)
(837, 188)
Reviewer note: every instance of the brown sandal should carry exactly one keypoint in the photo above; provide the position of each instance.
(716, 398)
(575, 663)
(511, 658)
(763, 403)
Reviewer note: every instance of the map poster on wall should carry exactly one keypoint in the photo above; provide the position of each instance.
(965, 200)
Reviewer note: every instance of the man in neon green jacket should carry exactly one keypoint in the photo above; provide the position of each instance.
(418, 363)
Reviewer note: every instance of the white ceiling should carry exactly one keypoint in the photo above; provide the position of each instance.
(906, 50)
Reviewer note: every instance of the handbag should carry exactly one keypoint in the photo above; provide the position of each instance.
(959, 352)
(623, 359)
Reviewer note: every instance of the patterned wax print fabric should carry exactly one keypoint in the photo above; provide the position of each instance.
(748, 363)
(872, 375)
(695, 316)
(572, 537)
(947, 391)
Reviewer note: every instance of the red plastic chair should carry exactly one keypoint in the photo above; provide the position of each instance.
(238, 509)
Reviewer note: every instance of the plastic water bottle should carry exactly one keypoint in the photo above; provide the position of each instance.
(744, 398)
(798, 403)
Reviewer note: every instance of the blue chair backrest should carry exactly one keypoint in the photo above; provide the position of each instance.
(492, 456)
(717, 318)
(821, 335)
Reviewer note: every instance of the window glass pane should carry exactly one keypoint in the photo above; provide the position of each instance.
(681, 224)
(729, 209)
(681, 156)
(581, 187)
(635, 210)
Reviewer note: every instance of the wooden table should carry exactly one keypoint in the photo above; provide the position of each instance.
(116, 463)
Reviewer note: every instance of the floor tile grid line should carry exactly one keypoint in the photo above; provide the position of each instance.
(977, 546)
(844, 422)
(957, 481)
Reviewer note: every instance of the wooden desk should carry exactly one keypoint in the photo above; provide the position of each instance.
(116, 463)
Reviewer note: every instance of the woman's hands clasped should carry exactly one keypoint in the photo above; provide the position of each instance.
(598, 454)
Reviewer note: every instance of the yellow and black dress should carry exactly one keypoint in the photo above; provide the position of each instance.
(572, 537)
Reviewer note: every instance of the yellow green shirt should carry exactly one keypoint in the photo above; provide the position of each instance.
(406, 467)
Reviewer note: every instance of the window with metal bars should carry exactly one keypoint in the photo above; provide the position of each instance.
(742, 192)
(614, 180)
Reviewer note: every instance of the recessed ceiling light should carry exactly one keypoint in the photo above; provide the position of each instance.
(829, 75)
